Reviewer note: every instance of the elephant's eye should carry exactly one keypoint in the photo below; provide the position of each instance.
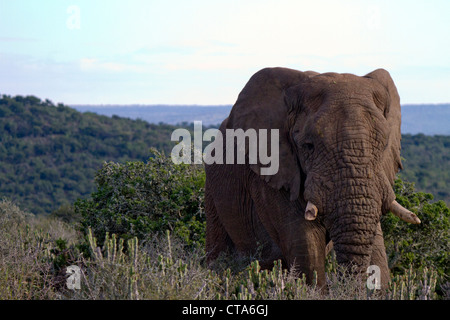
(308, 146)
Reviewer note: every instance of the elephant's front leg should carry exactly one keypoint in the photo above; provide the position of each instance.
(303, 245)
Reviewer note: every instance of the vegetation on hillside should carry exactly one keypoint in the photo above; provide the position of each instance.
(426, 162)
(49, 154)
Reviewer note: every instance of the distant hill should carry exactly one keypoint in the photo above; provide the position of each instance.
(170, 114)
(429, 119)
(49, 154)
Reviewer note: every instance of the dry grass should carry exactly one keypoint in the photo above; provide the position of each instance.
(163, 268)
(25, 259)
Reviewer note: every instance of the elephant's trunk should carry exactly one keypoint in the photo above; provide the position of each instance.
(354, 229)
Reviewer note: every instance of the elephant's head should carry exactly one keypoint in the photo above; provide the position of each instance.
(339, 148)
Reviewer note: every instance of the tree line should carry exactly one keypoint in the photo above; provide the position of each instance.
(49, 154)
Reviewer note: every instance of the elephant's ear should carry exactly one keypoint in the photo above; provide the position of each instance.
(387, 97)
(261, 105)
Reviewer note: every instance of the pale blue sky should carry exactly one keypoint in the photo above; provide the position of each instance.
(203, 52)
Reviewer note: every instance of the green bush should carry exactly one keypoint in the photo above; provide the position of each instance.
(423, 245)
(137, 199)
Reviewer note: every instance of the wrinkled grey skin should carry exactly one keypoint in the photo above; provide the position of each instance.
(339, 149)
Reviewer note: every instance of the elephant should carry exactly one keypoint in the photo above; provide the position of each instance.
(339, 152)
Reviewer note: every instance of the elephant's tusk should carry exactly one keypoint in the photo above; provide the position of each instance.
(403, 213)
(310, 212)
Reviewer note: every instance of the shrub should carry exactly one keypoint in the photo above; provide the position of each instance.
(138, 199)
(423, 245)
